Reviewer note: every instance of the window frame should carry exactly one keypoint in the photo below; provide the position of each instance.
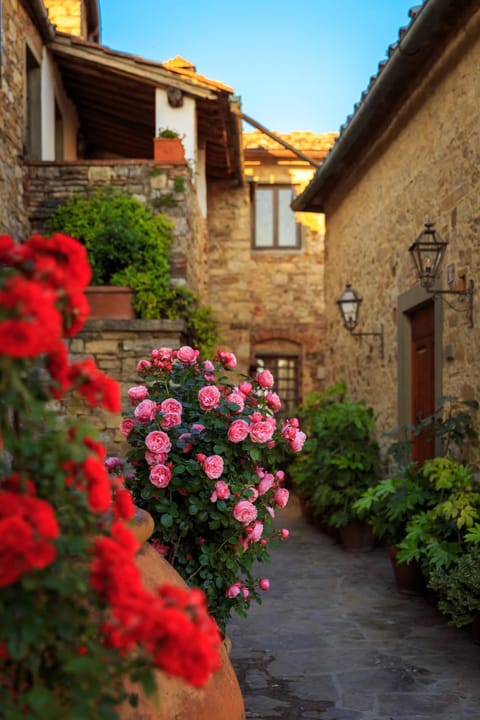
(275, 188)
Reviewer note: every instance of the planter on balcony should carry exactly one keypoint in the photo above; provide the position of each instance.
(168, 150)
(110, 302)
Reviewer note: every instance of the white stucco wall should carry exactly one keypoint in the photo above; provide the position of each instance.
(183, 120)
(47, 108)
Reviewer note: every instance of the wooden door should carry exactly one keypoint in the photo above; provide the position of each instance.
(423, 377)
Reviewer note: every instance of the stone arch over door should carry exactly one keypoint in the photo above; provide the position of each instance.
(419, 347)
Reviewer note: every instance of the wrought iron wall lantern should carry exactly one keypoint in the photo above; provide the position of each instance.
(427, 253)
(349, 304)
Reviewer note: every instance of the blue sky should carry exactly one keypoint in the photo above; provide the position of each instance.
(296, 65)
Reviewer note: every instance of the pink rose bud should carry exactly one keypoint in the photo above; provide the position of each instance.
(264, 584)
(233, 590)
(284, 533)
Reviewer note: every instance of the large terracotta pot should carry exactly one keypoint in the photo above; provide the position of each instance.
(110, 302)
(220, 699)
(357, 537)
(408, 576)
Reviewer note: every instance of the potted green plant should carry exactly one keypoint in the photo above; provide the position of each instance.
(340, 460)
(129, 251)
(389, 505)
(436, 535)
(168, 147)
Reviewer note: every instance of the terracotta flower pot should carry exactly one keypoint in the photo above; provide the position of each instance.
(357, 537)
(221, 698)
(110, 301)
(408, 576)
(168, 151)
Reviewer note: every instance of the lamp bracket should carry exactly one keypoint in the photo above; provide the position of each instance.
(468, 294)
(373, 334)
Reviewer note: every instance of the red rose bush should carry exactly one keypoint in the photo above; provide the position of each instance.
(75, 618)
(205, 454)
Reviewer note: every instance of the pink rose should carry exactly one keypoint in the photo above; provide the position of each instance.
(245, 512)
(170, 405)
(170, 420)
(245, 592)
(160, 475)
(208, 366)
(238, 431)
(265, 483)
(264, 584)
(126, 426)
(213, 466)
(137, 393)
(254, 532)
(273, 401)
(145, 411)
(162, 354)
(237, 399)
(234, 590)
(208, 397)
(187, 355)
(158, 442)
(113, 462)
(227, 359)
(245, 388)
(265, 379)
(284, 533)
(261, 432)
(143, 365)
(221, 492)
(298, 441)
(155, 458)
(281, 497)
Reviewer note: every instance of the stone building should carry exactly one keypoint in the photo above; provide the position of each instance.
(409, 154)
(266, 265)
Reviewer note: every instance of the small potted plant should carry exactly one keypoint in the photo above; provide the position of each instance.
(389, 505)
(340, 460)
(168, 147)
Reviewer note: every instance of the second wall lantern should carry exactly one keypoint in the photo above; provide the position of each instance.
(349, 304)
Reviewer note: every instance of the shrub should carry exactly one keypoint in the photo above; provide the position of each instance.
(205, 454)
(340, 459)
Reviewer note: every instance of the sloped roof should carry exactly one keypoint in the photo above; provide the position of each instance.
(408, 59)
(114, 94)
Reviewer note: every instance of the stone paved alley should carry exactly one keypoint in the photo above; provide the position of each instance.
(334, 640)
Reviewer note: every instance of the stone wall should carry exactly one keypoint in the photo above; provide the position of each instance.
(167, 189)
(69, 16)
(16, 28)
(424, 166)
(117, 346)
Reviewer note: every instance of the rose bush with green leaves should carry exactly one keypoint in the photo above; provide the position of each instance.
(207, 459)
